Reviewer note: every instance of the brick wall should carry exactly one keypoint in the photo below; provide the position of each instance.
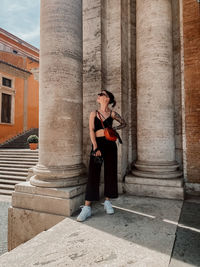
(191, 35)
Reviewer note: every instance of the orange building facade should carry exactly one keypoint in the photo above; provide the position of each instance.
(19, 86)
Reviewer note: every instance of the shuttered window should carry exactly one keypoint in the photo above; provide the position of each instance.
(6, 108)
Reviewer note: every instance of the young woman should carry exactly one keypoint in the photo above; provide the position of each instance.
(107, 150)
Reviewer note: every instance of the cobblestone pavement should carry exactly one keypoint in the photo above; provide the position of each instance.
(5, 202)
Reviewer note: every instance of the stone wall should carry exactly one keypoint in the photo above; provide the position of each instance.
(109, 63)
(191, 35)
(177, 82)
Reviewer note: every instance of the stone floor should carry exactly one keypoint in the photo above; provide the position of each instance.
(143, 232)
(5, 202)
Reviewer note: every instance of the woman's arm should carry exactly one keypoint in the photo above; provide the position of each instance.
(91, 128)
(118, 118)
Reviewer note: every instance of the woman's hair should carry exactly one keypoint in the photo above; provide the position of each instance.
(112, 98)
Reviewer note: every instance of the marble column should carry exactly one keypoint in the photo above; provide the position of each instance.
(156, 171)
(57, 187)
(60, 97)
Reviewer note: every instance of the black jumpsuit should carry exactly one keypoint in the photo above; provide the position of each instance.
(109, 153)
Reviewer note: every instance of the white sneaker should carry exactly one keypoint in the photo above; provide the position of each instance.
(85, 213)
(108, 207)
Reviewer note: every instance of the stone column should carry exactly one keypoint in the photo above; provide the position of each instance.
(60, 97)
(156, 172)
(57, 187)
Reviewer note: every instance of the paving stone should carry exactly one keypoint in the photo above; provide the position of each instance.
(187, 245)
(140, 233)
(5, 202)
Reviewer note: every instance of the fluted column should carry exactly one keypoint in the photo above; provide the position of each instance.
(155, 106)
(60, 95)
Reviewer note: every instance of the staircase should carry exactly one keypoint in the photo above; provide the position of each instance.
(20, 140)
(14, 165)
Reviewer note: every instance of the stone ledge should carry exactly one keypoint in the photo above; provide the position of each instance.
(170, 192)
(177, 182)
(68, 192)
(25, 224)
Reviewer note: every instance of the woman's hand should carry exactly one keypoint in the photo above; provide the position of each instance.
(98, 153)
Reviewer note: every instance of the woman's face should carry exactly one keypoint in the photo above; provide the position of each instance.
(103, 98)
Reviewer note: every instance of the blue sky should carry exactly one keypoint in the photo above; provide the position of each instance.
(21, 18)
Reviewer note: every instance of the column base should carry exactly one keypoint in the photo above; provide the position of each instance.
(36, 209)
(59, 176)
(154, 187)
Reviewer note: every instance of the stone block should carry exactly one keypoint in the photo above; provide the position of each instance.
(58, 201)
(24, 224)
(36, 209)
(170, 192)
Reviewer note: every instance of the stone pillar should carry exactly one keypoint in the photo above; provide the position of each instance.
(156, 172)
(57, 187)
(60, 97)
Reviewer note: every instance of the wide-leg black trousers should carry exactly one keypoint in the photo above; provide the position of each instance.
(109, 152)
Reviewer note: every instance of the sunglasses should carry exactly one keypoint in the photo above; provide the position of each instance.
(102, 94)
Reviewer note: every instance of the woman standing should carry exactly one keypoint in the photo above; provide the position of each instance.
(105, 149)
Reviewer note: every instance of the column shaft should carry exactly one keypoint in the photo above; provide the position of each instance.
(60, 94)
(156, 172)
(155, 106)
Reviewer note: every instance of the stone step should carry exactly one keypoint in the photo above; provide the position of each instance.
(25, 163)
(17, 166)
(12, 177)
(5, 192)
(34, 157)
(19, 173)
(18, 159)
(130, 179)
(12, 182)
(7, 186)
(14, 165)
(25, 170)
(19, 151)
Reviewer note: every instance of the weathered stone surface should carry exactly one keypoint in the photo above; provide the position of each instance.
(155, 190)
(59, 201)
(24, 224)
(61, 104)
(35, 209)
(155, 106)
(178, 98)
(140, 233)
(108, 52)
(92, 75)
(155, 81)
(4, 205)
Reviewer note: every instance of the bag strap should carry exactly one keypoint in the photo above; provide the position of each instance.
(101, 119)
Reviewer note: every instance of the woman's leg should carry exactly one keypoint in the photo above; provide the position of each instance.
(92, 188)
(110, 171)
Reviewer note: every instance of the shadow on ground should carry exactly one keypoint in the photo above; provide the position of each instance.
(148, 222)
(187, 245)
(152, 223)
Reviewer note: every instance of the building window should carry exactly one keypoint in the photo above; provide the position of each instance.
(6, 108)
(6, 82)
